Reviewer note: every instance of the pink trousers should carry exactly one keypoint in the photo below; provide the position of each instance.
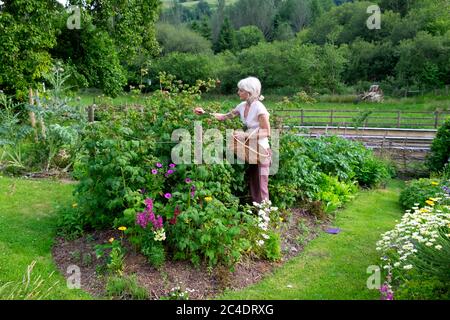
(258, 177)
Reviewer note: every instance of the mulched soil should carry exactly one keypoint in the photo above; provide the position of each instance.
(81, 252)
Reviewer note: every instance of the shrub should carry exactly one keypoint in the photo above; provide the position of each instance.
(440, 149)
(187, 67)
(249, 36)
(418, 191)
(372, 172)
(181, 39)
(209, 230)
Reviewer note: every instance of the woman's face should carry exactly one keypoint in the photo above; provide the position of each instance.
(243, 95)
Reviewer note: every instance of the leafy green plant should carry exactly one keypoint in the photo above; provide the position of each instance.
(71, 222)
(115, 258)
(155, 252)
(440, 149)
(418, 191)
(273, 246)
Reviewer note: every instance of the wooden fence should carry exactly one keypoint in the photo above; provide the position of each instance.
(365, 119)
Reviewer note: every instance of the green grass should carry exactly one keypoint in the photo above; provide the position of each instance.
(27, 230)
(334, 266)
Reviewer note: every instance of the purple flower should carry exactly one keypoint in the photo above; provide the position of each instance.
(144, 218)
(446, 189)
(170, 171)
(159, 165)
(188, 180)
(167, 196)
(154, 171)
(143, 191)
(172, 165)
(149, 204)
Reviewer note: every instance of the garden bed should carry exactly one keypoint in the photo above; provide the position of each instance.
(300, 228)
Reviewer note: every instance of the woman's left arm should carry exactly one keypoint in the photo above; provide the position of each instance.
(264, 126)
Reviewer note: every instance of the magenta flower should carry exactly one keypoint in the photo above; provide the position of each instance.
(168, 196)
(170, 171)
(154, 171)
(144, 218)
(172, 165)
(159, 165)
(188, 180)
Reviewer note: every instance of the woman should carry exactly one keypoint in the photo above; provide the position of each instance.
(255, 117)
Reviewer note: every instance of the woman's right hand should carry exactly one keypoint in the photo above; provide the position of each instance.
(199, 111)
(219, 116)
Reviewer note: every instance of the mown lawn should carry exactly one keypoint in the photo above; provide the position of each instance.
(27, 230)
(334, 266)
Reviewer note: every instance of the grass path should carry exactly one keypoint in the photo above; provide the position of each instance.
(334, 266)
(27, 230)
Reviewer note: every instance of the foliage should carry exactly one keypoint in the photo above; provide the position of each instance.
(249, 36)
(417, 192)
(115, 258)
(187, 67)
(227, 38)
(372, 172)
(27, 32)
(334, 193)
(440, 149)
(181, 39)
(210, 230)
(71, 222)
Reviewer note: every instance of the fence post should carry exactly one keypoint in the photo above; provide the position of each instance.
(32, 115)
(91, 113)
(436, 119)
(331, 117)
(302, 117)
(41, 118)
(398, 118)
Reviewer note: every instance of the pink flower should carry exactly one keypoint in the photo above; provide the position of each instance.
(159, 165)
(170, 171)
(154, 171)
(168, 196)
(172, 165)
(188, 180)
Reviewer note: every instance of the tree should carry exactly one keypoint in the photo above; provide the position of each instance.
(182, 39)
(424, 60)
(227, 38)
(283, 32)
(259, 13)
(27, 33)
(249, 36)
(400, 6)
(202, 10)
(203, 28)
(296, 12)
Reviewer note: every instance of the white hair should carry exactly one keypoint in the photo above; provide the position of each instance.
(253, 86)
